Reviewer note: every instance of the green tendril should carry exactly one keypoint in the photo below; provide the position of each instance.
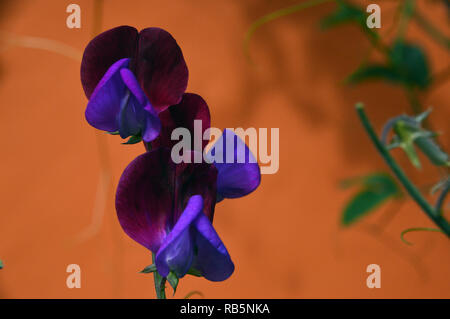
(278, 14)
(194, 292)
(402, 235)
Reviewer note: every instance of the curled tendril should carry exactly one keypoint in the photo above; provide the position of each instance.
(278, 14)
(402, 235)
(194, 292)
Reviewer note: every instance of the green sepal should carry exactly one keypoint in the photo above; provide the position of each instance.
(173, 281)
(134, 140)
(432, 150)
(411, 136)
(194, 272)
(149, 269)
(113, 133)
(422, 116)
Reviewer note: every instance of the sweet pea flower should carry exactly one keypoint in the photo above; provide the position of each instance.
(129, 77)
(169, 208)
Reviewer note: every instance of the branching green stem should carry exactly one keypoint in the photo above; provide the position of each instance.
(412, 190)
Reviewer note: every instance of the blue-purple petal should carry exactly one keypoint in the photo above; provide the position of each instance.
(104, 106)
(152, 126)
(177, 252)
(212, 259)
(239, 177)
(137, 114)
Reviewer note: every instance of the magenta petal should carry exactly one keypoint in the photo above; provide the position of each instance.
(144, 198)
(103, 51)
(104, 106)
(161, 69)
(192, 107)
(177, 252)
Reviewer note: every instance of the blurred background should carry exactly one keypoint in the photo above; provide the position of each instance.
(58, 175)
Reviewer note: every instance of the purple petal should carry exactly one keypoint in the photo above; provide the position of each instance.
(132, 84)
(239, 177)
(153, 192)
(161, 69)
(152, 125)
(177, 252)
(137, 114)
(103, 51)
(192, 107)
(104, 106)
(212, 259)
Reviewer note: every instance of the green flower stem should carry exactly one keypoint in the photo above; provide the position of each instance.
(438, 219)
(278, 14)
(160, 283)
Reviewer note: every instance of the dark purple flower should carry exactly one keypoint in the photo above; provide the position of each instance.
(169, 208)
(130, 77)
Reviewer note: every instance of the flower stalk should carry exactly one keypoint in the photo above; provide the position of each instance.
(412, 190)
(160, 283)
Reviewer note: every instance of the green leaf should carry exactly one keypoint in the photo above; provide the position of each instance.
(348, 13)
(149, 269)
(1, 264)
(376, 189)
(134, 139)
(407, 64)
(374, 72)
(173, 281)
(410, 63)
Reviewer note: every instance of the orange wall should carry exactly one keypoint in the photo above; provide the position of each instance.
(58, 175)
